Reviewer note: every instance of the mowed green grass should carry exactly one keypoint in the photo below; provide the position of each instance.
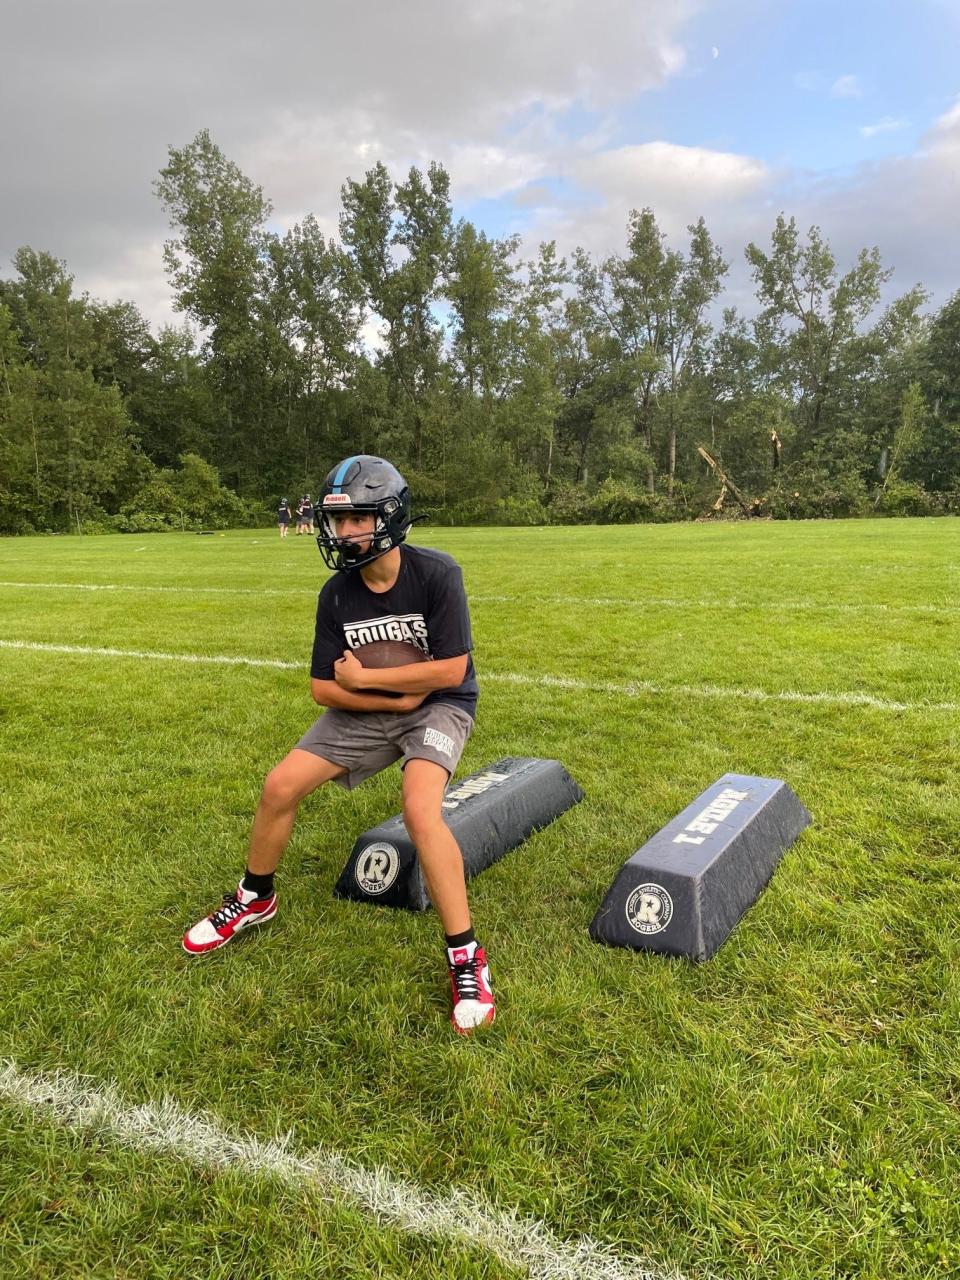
(789, 1109)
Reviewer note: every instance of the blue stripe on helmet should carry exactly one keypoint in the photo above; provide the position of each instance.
(342, 471)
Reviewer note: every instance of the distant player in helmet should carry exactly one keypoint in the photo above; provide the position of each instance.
(305, 515)
(380, 586)
(284, 516)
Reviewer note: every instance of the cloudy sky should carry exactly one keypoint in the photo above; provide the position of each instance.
(553, 117)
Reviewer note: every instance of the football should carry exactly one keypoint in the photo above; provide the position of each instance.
(389, 653)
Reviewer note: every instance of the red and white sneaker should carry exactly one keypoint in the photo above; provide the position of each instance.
(470, 988)
(238, 911)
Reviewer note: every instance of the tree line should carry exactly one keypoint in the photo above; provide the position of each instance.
(508, 390)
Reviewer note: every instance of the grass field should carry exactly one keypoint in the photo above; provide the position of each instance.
(789, 1109)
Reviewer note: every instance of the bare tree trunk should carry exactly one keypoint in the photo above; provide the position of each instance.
(582, 462)
(726, 484)
(646, 435)
(36, 454)
(672, 443)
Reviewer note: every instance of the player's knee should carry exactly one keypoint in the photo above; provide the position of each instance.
(280, 790)
(420, 816)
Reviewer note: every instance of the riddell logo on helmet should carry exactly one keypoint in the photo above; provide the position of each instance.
(337, 500)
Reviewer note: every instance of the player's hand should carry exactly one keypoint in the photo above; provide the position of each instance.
(408, 702)
(348, 673)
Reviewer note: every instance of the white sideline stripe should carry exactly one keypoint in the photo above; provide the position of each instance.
(144, 588)
(720, 602)
(166, 1128)
(600, 602)
(640, 688)
(215, 659)
(632, 689)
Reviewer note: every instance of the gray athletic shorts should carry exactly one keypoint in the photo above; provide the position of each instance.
(365, 742)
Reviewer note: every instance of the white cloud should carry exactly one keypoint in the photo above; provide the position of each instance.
(301, 102)
(679, 183)
(668, 174)
(906, 205)
(887, 125)
(846, 87)
(945, 131)
(321, 92)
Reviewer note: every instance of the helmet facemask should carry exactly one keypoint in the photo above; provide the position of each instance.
(342, 553)
(363, 485)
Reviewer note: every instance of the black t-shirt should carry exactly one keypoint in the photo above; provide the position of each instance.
(427, 606)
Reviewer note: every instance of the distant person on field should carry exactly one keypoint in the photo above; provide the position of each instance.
(305, 515)
(381, 586)
(284, 517)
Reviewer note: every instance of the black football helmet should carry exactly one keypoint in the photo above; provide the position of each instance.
(363, 484)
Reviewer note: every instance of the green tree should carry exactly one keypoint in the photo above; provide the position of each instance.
(66, 441)
(943, 361)
(909, 435)
(813, 320)
(398, 239)
(654, 301)
(216, 265)
(481, 288)
(313, 312)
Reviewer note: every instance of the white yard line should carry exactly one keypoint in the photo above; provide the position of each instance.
(199, 1138)
(709, 604)
(642, 688)
(150, 588)
(629, 689)
(153, 655)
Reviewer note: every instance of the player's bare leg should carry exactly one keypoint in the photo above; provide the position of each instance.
(297, 775)
(424, 783)
(423, 786)
(254, 901)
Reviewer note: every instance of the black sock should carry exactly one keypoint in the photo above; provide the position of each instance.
(460, 939)
(262, 886)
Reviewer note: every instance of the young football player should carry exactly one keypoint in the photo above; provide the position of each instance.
(301, 523)
(284, 516)
(381, 588)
